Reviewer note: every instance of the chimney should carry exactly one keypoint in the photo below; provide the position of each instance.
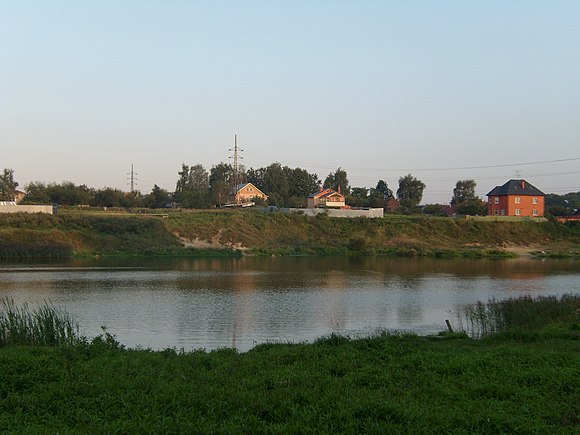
(523, 184)
(339, 190)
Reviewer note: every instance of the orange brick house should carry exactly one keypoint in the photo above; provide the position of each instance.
(246, 192)
(326, 198)
(516, 198)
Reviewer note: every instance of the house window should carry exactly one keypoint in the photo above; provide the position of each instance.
(518, 212)
(496, 200)
(534, 212)
(534, 200)
(503, 212)
(496, 212)
(518, 199)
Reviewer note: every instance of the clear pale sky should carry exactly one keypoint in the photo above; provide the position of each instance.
(438, 89)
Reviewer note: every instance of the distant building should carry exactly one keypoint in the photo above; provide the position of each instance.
(19, 196)
(326, 198)
(516, 198)
(245, 193)
(392, 204)
(574, 218)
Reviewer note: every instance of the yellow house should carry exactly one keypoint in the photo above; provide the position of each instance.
(246, 192)
(326, 198)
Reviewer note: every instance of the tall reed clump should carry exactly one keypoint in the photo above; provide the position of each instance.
(42, 325)
(521, 314)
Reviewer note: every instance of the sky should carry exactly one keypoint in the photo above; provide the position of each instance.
(443, 90)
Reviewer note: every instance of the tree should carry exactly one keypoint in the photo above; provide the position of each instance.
(472, 207)
(276, 185)
(464, 191)
(192, 189)
(359, 197)
(337, 181)
(183, 180)
(410, 191)
(379, 196)
(37, 193)
(301, 183)
(434, 210)
(158, 198)
(109, 197)
(383, 190)
(562, 205)
(221, 183)
(65, 193)
(7, 185)
(284, 186)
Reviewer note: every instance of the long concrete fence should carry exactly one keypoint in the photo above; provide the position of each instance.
(11, 207)
(339, 213)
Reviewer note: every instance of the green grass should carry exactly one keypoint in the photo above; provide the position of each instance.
(43, 325)
(381, 384)
(523, 316)
(87, 233)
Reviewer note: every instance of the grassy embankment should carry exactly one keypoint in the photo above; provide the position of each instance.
(525, 378)
(258, 233)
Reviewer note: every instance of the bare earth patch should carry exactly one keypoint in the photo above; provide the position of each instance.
(215, 243)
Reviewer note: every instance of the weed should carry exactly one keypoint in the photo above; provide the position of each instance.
(520, 315)
(43, 325)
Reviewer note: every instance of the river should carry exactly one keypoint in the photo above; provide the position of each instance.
(214, 303)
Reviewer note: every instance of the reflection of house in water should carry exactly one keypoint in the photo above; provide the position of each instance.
(331, 286)
(409, 304)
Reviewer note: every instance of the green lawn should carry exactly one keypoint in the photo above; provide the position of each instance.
(384, 384)
(522, 378)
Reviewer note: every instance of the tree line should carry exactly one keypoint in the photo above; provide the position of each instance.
(199, 188)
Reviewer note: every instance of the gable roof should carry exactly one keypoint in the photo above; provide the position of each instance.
(239, 187)
(325, 193)
(516, 187)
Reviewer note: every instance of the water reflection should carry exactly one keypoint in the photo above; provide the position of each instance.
(212, 303)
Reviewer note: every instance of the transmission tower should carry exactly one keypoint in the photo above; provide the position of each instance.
(236, 158)
(132, 179)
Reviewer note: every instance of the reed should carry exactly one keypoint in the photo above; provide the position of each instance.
(42, 325)
(521, 314)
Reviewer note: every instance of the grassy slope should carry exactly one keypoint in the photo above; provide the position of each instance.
(88, 233)
(24, 235)
(290, 233)
(387, 384)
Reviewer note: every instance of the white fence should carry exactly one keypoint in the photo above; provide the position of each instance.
(339, 213)
(12, 207)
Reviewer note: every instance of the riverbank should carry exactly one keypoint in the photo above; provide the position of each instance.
(237, 232)
(525, 379)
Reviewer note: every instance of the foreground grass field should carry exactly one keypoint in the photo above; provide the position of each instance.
(523, 379)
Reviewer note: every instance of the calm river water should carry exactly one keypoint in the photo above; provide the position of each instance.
(213, 303)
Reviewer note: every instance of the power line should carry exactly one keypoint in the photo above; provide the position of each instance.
(458, 168)
(500, 166)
